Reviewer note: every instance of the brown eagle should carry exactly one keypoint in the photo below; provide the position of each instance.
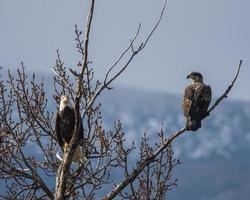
(65, 123)
(196, 100)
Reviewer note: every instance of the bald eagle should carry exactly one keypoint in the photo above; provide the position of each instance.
(196, 100)
(65, 122)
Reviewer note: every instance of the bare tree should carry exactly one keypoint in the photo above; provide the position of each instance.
(27, 121)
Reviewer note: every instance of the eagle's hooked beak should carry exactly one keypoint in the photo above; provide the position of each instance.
(66, 99)
(188, 76)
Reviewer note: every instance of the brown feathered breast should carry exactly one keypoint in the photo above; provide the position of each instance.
(196, 100)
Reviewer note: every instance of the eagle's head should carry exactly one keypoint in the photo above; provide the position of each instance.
(64, 102)
(196, 77)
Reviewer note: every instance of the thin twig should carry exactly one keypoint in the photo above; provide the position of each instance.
(123, 53)
(86, 46)
(155, 27)
(62, 79)
(227, 90)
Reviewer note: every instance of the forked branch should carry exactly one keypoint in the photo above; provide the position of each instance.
(135, 51)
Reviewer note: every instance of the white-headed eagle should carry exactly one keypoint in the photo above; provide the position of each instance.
(196, 100)
(65, 123)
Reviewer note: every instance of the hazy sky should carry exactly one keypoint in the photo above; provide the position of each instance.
(209, 36)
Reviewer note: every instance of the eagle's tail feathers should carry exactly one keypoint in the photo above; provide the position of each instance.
(78, 155)
(193, 125)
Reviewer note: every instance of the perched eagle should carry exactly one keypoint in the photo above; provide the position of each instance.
(196, 100)
(65, 122)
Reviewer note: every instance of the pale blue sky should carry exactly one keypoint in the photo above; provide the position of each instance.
(209, 36)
